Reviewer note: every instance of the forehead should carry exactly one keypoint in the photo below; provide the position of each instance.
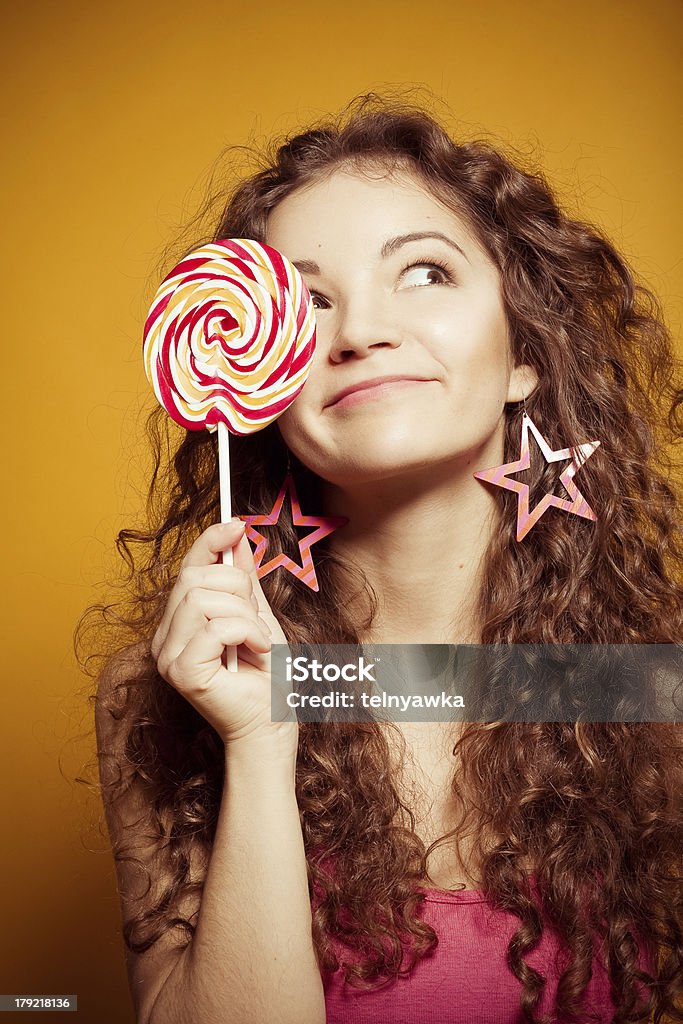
(348, 207)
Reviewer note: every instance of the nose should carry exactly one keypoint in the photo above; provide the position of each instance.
(360, 329)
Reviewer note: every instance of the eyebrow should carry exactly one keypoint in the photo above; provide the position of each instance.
(390, 246)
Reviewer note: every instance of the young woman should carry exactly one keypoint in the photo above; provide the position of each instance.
(352, 872)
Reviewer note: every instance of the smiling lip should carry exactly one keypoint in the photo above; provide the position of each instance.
(375, 383)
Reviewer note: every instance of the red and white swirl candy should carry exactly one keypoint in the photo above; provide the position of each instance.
(230, 337)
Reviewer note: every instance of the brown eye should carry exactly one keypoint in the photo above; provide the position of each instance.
(432, 273)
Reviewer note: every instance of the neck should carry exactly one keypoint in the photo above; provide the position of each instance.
(420, 541)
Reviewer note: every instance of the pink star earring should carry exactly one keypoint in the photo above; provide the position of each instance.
(324, 526)
(577, 504)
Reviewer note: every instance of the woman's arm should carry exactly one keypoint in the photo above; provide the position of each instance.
(252, 957)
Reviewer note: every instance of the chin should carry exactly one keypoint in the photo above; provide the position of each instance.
(367, 470)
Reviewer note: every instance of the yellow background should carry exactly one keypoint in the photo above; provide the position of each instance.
(113, 115)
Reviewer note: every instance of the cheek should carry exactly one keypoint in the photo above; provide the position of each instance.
(302, 420)
(477, 346)
(289, 426)
(297, 427)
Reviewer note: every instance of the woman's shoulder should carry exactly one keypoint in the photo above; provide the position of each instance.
(122, 667)
(113, 710)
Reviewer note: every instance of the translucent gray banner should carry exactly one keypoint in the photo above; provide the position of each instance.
(478, 683)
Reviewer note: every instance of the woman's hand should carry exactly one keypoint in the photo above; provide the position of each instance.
(213, 606)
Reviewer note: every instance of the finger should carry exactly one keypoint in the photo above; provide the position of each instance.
(224, 578)
(197, 663)
(209, 546)
(195, 611)
(243, 558)
(235, 581)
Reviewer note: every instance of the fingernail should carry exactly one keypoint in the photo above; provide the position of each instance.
(264, 626)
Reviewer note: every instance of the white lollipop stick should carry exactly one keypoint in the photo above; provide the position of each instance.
(230, 653)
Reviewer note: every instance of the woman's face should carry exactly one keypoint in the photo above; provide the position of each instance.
(401, 290)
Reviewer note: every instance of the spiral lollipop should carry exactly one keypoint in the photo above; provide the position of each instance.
(230, 337)
(228, 343)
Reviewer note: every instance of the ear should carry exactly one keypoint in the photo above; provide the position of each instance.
(523, 380)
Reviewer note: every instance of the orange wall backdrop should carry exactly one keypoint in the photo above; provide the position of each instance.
(113, 115)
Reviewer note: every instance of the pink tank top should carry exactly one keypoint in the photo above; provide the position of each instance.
(465, 980)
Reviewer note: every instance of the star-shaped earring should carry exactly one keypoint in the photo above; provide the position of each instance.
(325, 525)
(579, 454)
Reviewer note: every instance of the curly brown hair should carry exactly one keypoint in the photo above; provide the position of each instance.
(592, 807)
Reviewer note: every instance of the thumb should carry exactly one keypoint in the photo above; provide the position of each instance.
(243, 558)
